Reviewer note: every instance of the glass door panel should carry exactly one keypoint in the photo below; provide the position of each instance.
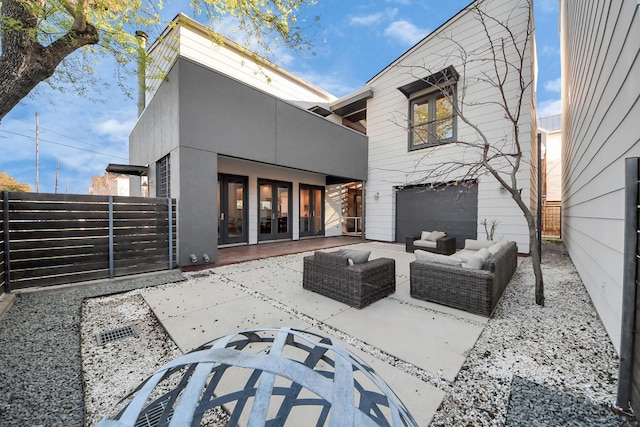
(283, 209)
(311, 210)
(235, 208)
(274, 206)
(318, 210)
(305, 213)
(266, 211)
(232, 200)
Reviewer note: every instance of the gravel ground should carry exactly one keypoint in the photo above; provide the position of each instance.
(531, 366)
(41, 380)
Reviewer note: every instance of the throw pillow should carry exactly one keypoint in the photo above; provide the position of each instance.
(424, 234)
(494, 249)
(476, 245)
(484, 254)
(357, 257)
(475, 262)
(436, 235)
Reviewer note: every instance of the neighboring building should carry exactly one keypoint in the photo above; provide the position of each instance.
(550, 130)
(109, 184)
(253, 153)
(600, 118)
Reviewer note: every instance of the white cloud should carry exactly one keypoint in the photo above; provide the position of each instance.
(115, 129)
(332, 83)
(367, 20)
(550, 50)
(405, 32)
(553, 85)
(551, 107)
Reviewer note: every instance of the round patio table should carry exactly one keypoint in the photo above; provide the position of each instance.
(263, 377)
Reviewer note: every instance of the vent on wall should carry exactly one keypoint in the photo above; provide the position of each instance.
(105, 337)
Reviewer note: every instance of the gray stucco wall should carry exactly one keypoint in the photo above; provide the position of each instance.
(219, 113)
(197, 207)
(198, 113)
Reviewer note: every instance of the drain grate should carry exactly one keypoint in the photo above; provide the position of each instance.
(105, 337)
(151, 416)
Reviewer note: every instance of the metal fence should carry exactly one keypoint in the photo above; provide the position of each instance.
(52, 239)
(552, 220)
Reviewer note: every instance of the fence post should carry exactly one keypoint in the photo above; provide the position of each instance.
(5, 228)
(111, 267)
(625, 368)
(170, 216)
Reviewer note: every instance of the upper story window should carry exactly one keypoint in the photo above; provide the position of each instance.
(432, 119)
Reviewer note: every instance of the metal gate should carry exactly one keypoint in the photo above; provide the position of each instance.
(629, 373)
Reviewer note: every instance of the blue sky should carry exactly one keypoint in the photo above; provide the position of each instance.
(352, 42)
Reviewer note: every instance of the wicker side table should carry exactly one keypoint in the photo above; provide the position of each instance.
(264, 377)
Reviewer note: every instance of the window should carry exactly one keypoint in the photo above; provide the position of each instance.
(432, 120)
(163, 175)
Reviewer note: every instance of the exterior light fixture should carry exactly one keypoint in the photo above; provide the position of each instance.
(193, 258)
(206, 258)
(376, 196)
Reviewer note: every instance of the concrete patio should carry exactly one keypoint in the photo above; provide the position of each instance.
(395, 335)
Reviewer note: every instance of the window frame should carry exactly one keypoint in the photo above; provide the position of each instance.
(431, 97)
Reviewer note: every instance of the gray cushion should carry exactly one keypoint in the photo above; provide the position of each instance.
(494, 249)
(425, 244)
(357, 257)
(424, 256)
(424, 234)
(476, 245)
(465, 254)
(436, 235)
(478, 259)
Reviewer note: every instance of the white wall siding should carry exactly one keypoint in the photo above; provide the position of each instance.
(391, 165)
(601, 111)
(191, 40)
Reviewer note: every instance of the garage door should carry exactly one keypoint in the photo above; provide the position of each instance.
(452, 209)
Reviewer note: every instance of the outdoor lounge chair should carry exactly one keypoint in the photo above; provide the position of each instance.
(358, 285)
(436, 242)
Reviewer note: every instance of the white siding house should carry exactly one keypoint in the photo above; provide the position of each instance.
(600, 43)
(394, 166)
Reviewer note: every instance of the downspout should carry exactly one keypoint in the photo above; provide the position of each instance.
(364, 210)
(142, 69)
(539, 215)
(625, 370)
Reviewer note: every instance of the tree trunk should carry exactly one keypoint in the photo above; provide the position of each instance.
(536, 259)
(24, 61)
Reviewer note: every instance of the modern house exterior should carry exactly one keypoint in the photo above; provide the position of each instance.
(600, 44)
(253, 153)
(233, 141)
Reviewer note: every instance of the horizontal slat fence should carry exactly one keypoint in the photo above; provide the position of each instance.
(52, 239)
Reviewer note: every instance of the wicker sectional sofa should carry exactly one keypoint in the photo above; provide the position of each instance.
(473, 290)
(358, 285)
